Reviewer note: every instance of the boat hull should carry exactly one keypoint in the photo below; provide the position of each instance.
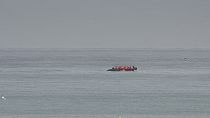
(120, 70)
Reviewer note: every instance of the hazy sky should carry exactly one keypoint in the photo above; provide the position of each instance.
(105, 23)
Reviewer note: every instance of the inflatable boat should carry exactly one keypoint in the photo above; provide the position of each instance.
(123, 68)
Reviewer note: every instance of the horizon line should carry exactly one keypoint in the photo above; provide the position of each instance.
(88, 48)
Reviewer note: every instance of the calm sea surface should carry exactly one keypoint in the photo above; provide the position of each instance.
(74, 83)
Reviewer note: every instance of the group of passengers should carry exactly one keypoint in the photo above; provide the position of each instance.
(124, 67)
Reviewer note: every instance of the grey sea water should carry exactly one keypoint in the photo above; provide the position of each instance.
(74, 83)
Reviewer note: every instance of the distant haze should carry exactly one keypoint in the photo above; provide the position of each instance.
(104, 23)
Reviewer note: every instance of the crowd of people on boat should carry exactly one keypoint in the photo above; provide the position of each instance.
(123, 68)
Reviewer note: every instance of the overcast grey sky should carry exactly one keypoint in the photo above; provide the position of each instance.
(105, 23)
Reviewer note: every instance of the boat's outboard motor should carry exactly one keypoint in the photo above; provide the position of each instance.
(135, 68)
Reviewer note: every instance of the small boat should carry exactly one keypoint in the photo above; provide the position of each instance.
(123, 68)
